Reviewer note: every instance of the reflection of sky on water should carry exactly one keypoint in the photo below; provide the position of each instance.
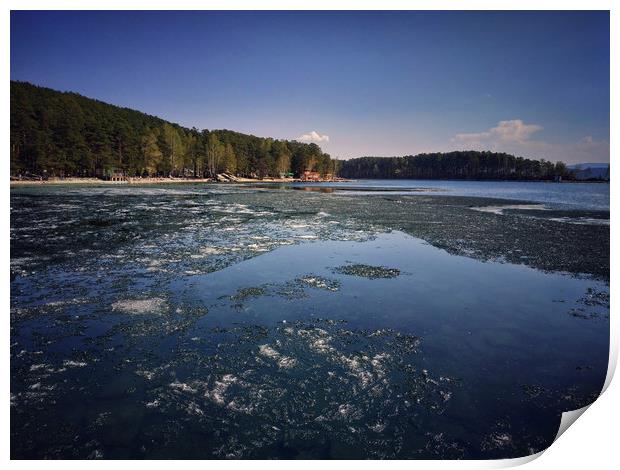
(586, 196)
(174, 344)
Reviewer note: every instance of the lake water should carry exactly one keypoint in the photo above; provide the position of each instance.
(586, 196)
(175, 322)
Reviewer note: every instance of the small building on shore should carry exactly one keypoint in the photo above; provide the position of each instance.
(310, 176)
(111, 174)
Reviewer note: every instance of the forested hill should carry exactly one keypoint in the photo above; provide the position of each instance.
(66, 134)
(453, 165)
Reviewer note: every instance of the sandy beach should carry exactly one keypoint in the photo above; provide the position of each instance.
(91, 181)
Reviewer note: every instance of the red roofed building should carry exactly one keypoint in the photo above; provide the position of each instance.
(310, 176)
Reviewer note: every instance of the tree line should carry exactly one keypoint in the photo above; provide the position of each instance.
(66, 134)
(471, 164)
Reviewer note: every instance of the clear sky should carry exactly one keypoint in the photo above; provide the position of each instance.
(535, 84)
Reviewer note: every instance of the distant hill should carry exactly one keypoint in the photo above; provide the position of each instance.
(466, 164)
(66, 134)
(590, 171)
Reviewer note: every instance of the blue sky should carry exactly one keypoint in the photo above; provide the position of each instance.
(358, 83)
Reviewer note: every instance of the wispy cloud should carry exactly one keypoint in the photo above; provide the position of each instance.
(514, 136)
(313, 136)
(514, 130)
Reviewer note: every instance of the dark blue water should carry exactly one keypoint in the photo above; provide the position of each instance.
(173, 323)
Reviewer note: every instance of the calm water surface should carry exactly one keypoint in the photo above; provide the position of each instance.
(586, 196)
(174, 322)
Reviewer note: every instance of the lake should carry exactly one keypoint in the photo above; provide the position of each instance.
(225, 321)
(587, 196)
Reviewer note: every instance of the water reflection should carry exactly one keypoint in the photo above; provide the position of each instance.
(383, 348)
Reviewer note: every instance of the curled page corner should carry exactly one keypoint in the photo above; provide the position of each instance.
(566, 421)
(516, 462)
(568, 418)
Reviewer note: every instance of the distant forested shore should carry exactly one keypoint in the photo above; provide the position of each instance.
(471, 164)
(68, 135)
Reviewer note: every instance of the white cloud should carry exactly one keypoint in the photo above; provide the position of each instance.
(514, 136)
(313, 136)
(514, 130)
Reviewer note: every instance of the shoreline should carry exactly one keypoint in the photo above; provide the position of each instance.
(237, 180)
(140, 181)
